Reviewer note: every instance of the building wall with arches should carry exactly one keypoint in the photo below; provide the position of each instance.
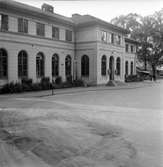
(13, 50)
(54, 34)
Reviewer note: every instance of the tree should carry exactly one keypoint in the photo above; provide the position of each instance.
(148, 31)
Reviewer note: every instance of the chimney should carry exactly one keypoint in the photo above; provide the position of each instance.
(47, 8)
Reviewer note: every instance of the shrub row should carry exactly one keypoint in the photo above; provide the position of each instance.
(133, 78)
(45, 84)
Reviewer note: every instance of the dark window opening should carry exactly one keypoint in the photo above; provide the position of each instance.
(3, 63)
(68, 65)
(126, 67)
(22, 64)
(22, 25)
(3, 22)
(85, 65)
(118, 66)
(55, 65)
(68, 35)
(40, 65)
(40, 29)
(103, 65)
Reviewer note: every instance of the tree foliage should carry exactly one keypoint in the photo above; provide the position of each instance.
(148, 31)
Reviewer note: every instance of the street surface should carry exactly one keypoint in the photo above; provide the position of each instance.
(136, 115)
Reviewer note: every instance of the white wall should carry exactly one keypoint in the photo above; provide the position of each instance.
(14, 44)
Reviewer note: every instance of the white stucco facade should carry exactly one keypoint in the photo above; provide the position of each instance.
(86, 40)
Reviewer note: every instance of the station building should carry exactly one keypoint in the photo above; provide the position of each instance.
(37, 43)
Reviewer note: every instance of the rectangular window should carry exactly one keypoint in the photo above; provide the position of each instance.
(22, 25)
(68, 35)
(108, 38)
(118, 39)
(103, 36)
(55, 32)
(40, 29)
(112, 38)
(132, 49)
(3, 22)
(126, 47)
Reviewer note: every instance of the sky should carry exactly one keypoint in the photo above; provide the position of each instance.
(103, 9)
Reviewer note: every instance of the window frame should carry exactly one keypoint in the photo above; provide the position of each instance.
(4, 22)
(112, 38)
(132, 48)
(55, 65)
(85, 66)
(40, 65)
(103, 65)
(22, 25)
(118, 66)
(3, 64)
(126, 69)
(40, 29)
(54, 36)
(68, 36)
(127, 48)
(68, 65)
(131, 68)
(22, 64)
(103, 36)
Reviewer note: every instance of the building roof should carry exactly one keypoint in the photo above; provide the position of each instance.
(76, 19)
(86, 20)
(33, 11)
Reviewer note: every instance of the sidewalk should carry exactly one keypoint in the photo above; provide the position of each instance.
(44, 93)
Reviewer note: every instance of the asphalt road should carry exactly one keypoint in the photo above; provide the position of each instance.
(138, 111)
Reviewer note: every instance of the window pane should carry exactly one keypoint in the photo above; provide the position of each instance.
(85, 65)
(4, 22)
(112, 38)
(55, 32)
(68, 65)
(55, 65)
(108, 37)
(126, 47)
(22, 64)
(3, 63)
(25, 26)
(40, 65)
(103, 65)
(118, 68)
(103, 36)
(68, 35)
(40, 29)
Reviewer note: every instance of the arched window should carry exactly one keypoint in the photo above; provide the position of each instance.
(131, 68)
(103, 65)
(118, 66)
(68, 65)
(55, 65)
(3, 63)
(40, 65)
(22, 64)
(126, 67)
(85, 65)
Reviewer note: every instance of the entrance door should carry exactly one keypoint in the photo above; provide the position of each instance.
(111, 68)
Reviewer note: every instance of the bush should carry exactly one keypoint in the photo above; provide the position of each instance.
(18, 88)
(5, 88)
(78, 83)
(36, 86)
(45, 83)
(69, 79)
(133, 78)
(58, 80)
(27, 81)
